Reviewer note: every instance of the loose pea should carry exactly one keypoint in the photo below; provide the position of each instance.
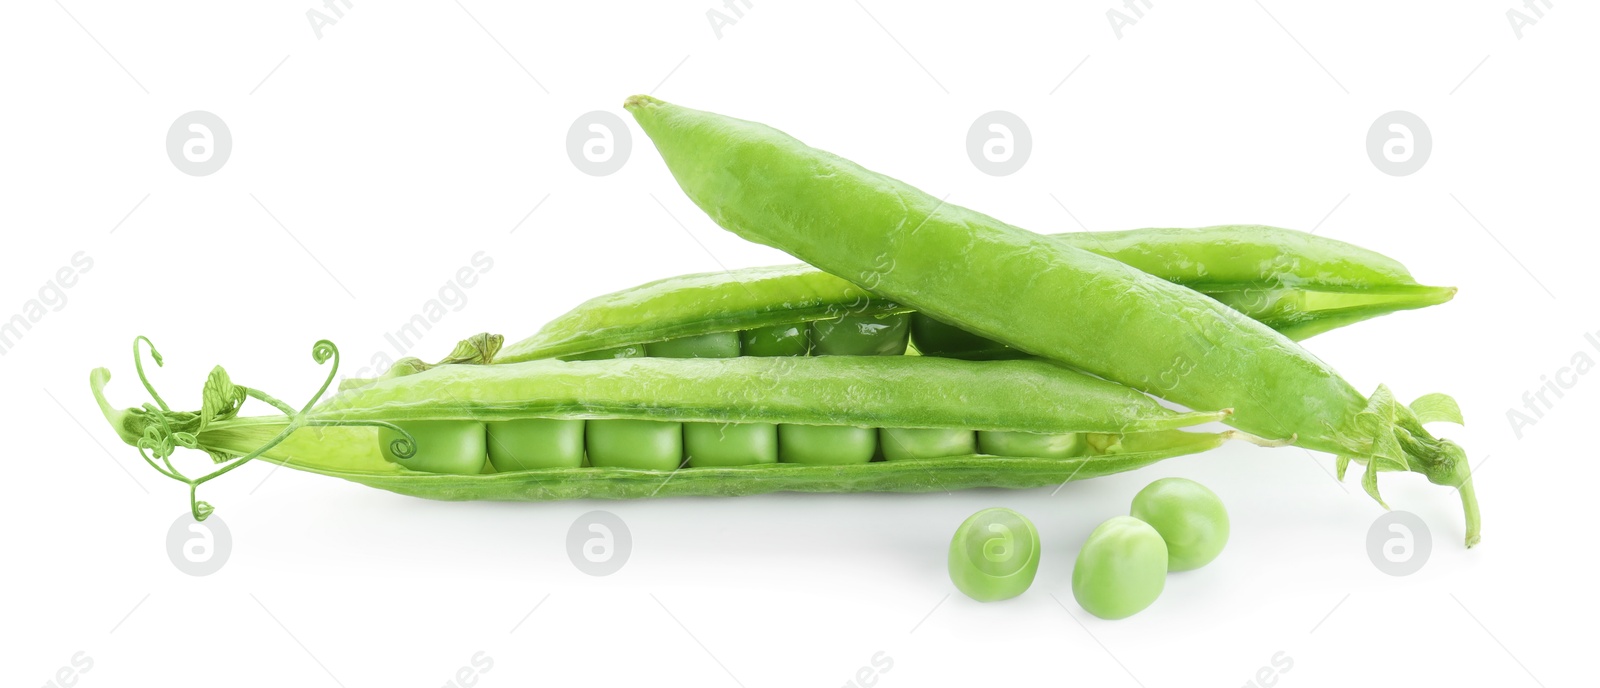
(923, 443)
(629, 351)
(861, 335)
(777, 340)
(1121, 568)
(442, 446)
(1036, 444)
(1189, 517)
(730, 444)
(709, 345)
(994, 555)
(651, 445)
(522, 445)
(829, 445)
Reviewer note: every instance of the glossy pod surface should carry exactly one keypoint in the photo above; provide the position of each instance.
(961, 267)
(625, 428)
(1297, 283)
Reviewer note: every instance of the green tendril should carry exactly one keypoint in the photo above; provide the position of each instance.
(165, 430)
(138, 365)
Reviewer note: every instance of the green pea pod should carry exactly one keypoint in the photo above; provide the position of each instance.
(1297, 283)
(1005, 283)
(340, 437)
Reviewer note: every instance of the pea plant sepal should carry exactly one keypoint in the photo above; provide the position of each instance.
(1398, 442)
(157, 431)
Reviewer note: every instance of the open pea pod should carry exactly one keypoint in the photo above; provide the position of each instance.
(504, 432)
(1297, 283)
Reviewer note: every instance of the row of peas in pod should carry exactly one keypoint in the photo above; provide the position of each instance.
(471, 447)
(1174, 525)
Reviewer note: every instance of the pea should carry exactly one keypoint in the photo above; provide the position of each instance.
(994, 555)
(730, 444)
(629, 351)
(710, 345)
(937, 338)
(651, 445)
(828, 445)
(1036, 444)
(522, 445)
(442, 446)
(921, 443)
(1121, 568)
(861, 335)
(1189, 517)
(777, 340)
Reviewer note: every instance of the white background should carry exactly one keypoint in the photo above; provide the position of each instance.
(370, 164)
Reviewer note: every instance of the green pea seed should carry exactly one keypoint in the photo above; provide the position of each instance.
(861, 335)
(629, 351)
(711, 345)
(730, 444)
(1121, 568)
(936, 338)
(827, 445)
(921, 443)
(442, 446)
(1036, 444)
(1189, 517)
(777, 340)
(651, 445)
(524, 445)
(994, 555)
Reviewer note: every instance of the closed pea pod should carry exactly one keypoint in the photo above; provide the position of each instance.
(961, 267)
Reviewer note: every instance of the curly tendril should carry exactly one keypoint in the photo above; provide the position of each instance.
(167, 430)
